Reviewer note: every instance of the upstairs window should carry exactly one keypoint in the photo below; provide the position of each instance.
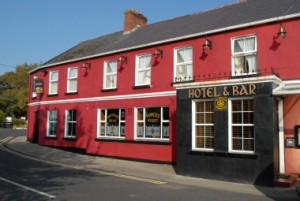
(183, 64)
(110, 74)
(53, 82)
(72, 80)
(244, 55)
(143, 70)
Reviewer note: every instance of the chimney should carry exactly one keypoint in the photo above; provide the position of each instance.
(132, 20)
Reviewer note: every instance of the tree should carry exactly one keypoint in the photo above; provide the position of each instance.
(14, 91)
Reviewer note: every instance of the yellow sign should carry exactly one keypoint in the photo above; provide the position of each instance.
(220, 103)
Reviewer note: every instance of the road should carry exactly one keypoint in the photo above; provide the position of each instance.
(25, 179)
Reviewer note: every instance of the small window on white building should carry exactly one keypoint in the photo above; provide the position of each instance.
(53, 82)
(72, 80)
(110, 74)
(244, 56)
(183, 64)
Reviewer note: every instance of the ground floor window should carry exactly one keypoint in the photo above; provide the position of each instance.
(51, 123)
(70, 128)
(152, 123)
(203, 125)
(111, 123)
(241, 120)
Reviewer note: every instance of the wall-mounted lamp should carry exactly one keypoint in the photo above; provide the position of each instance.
(207, 44)
(86, 65)
(44, 71)
(158, 52)
(122, 59)
(282, 31)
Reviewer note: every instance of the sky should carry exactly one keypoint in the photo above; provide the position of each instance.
(34, 31)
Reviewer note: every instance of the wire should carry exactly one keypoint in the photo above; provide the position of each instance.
(9, 66)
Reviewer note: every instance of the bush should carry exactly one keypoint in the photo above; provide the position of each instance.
(19, 123)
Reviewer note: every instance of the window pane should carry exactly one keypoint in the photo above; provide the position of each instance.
(73, 73)
(184, 55)
(184, 71)
(166, 113)
(54, 76)
(250, 44)
(144, 62)
(111, 67)
(238, 45)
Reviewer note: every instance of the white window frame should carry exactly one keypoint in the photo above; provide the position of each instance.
(190, 72)
(230, 125)
(110, 75)
(34, 94)
(162, 136)
(244, 54)
(138, 70)
(52, 82)
(72, 78)
(103, 129)
(49, 122)
(194, 141)
(73, 135)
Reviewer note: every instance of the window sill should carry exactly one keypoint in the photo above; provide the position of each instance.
(237, 76)
(111, 139)
(181, 82)
(70, 138)
(153, 141)
(51, 137)
(141, 86)
(107, 90)
(50, 95)
(71, 93)
(223, 154)
(122, 140)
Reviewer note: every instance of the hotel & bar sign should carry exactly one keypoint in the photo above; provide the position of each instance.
(222, 91)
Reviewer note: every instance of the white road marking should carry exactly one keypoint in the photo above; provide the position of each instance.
(28, 188)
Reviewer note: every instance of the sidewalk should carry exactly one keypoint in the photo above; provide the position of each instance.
(159, 172)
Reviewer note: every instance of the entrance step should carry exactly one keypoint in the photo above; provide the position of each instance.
(286, 180)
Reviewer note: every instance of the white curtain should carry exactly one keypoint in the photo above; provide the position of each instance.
(53, 82)
(72, 80)
(144, 75)
(184, 63)
(111, 74)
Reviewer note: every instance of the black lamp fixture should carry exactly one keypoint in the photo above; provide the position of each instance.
(158, 52)
(207, 44)
(122, 59)
(282, 31)
(86, 65)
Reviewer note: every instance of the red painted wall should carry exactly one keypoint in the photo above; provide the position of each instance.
(281, 54)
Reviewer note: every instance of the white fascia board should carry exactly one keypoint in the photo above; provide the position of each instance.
(239, 26)
(288, 87)
(235, 81)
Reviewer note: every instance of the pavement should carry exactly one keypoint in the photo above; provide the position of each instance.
(142, 171)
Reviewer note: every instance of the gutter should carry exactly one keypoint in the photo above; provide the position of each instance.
(239, 26)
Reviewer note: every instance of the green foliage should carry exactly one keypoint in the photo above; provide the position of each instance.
(14, 91)
(19, 123)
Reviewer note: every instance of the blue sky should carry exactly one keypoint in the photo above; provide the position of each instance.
(34, 31)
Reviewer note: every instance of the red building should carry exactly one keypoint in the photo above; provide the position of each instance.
(216, 92)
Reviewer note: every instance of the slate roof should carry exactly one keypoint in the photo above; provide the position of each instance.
(232, 16)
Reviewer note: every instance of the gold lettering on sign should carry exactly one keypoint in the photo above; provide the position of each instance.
(252, 88)
(214, 92)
